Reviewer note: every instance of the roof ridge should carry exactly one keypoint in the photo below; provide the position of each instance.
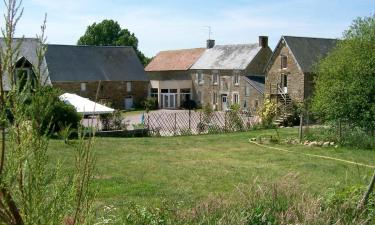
(92, 46)
(184, 49)
(309, 37)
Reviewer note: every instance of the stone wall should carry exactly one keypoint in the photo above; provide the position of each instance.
(295, 77)
(111, 92)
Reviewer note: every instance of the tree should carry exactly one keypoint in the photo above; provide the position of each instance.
(109, 33)
(345, 85)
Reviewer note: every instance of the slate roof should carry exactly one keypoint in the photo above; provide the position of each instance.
(173, 60)
(69, 63)
(227, 57)
(27, 50)
(257, 82)
(307, 51)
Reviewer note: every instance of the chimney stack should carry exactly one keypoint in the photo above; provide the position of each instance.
(263, 41)
(210, 43)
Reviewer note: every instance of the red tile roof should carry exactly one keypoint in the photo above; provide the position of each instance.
(174, 60)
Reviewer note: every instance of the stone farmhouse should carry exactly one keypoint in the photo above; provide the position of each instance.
(170, 77)
(231, 74)
(290, 70)
(114, 74)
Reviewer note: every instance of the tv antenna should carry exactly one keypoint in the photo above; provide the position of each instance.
(209, 32)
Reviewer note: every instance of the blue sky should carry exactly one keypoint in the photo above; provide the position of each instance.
(163, 25)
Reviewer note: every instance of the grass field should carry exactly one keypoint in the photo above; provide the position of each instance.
(189, 169)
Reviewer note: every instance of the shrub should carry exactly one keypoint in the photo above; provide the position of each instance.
(56, 115)
(150, 103)
(189, 104)
(267, 113)
(112, 121)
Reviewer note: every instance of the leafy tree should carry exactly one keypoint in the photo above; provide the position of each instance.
(345, 85)
(109, 33)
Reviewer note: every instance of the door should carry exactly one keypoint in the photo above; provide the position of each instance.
(224, 102)
(169, 101)
(128, 102)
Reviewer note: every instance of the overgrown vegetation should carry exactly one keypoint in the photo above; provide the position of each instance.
(31, 190)
(281, 202)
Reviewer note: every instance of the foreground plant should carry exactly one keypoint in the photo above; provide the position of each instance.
(31, 190)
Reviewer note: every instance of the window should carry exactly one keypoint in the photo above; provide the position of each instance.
(83, 86)
(235, 98)
(256, 104)
(185, 97)
(236, 79)
(154, 93)
(200, 78)
(128, 86)
(247, 91)
(215, 77)
(214, 98)
(199, 97)
(284, 62)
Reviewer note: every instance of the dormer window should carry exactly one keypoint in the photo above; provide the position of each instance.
(284, 62)
(23, 73)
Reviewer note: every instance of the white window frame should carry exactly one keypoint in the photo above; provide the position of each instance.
(214, 98)
(282, 58)
(200, 79)
(128, 86)
(236, 77)
(83, 87)
(215, 77)
(234, 98)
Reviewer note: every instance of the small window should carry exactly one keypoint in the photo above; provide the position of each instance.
(128, 86)
(214, 98)
(236, 79)
(284, 62)
(235, 98)
(83, 86)
(172, 90)
(154, 93)
(215, 78)
(247, 91)
(256, 104)
(200, 78)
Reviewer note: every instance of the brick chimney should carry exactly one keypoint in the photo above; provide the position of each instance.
(210, 43)
(263, 41)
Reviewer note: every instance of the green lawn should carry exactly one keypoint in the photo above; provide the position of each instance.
(189, 169)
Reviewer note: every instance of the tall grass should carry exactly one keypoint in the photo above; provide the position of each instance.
(281, 202)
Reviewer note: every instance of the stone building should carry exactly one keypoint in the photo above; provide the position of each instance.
(112, 75)
(231, 74)
(290, 71)
(170, 76)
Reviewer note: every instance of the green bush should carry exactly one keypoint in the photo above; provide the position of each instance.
(150, 103)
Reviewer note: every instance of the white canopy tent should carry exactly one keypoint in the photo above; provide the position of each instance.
(84, 105)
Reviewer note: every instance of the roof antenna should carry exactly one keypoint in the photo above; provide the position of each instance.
(209, 32)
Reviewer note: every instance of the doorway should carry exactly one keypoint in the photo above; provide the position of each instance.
(224, 102)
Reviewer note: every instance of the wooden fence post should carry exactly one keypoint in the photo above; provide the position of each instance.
(175, 123)
(190, 120)
(300, 127)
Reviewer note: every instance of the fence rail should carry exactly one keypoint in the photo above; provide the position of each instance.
(197, 122)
